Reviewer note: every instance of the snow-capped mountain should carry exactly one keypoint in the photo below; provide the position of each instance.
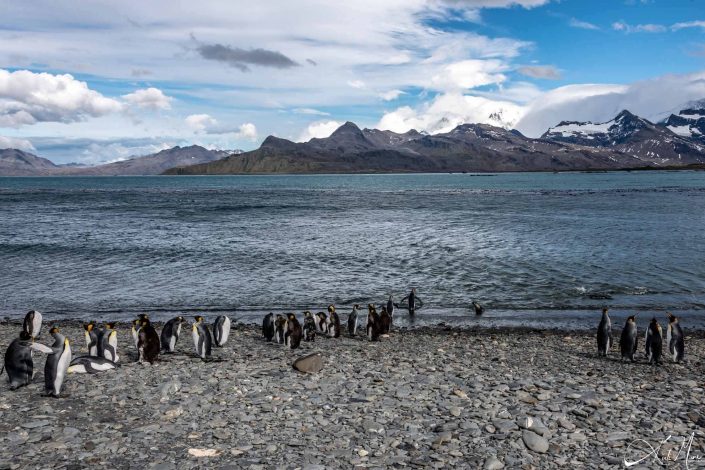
(633, 136)
(689, 122)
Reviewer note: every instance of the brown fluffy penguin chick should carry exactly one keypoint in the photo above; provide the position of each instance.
(293, 332)
(385, 322)
(148, 345)
(333, 322)
(373, 323)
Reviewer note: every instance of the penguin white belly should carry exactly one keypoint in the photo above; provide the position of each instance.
(195, 341)
(36, 324)
(225, 333)
(61, 369)
(77, 369)
(112, 341)
(172, 343)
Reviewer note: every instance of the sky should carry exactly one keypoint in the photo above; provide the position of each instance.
(99, 80)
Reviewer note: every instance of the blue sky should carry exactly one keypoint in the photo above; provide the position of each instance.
(102, 81)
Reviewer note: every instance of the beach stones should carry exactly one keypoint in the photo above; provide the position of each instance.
(534, 442)
(309, 364)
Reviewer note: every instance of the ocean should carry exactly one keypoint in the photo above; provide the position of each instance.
(541, 250)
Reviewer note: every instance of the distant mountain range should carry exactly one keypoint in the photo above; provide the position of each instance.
(15, 162)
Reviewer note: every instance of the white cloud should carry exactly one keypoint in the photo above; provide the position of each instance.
(247, 131)
(109, 152)
(390, 95)
(688, 24)
(469, 74)
(15, 143)
(498, 3)
(310, 111)
(638, 28)
(318, 130)
(546, 72)
(359, 84)
(206, 124)
(149, 98)
(576, 23)
(200, 122)
(27, 98)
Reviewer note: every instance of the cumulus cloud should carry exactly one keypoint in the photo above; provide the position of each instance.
(200, 122)
(390, 95)
(469, 74)
(241, 59)
(319, 130)
(27, 98)
(576, 23)
(206, 124)
(15, 143)
(638, 28)
(247, 131)
(149, 98)
(546, 72)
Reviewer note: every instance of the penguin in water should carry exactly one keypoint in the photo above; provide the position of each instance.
(90, 365)
(322, 323)
(293, 332)
(148, 346)
(352, 320)
(333, 322)
(309, 330)
(385, 321)
(414, 303)
(221, 330)
(18, 360)
(170, 334)
(654, 342)
(479, 310)
(57, 364)
(33, 324)
(268, 327)
(107, 347)
(629, 339)
(202, 340)
(91, 338)
(675, 339)
(604, 334)
(279, 328)
(372, 323)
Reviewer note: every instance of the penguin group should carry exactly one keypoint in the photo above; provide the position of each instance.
(654, 345)
(102, 347)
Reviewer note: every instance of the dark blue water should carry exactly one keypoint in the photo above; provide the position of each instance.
(534, 248)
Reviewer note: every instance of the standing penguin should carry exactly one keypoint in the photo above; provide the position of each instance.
(654, 342)
(390, 307)
(413, 301)
(604, 334)
(107, 347)
(385, 321)
(91, 338)
(33, 324)
(675, 339)
(268, 327)
(170, 334)
(293, 332)
(221, 330)
(372, 323)
(322, 323)
(148, 345)
(629, 340)
(479, 310)
(352, 320)
(333, 322)
(309, 327)
(57, 363)
(202, 338)
(135, 331)
(18, 360)
(279, 328)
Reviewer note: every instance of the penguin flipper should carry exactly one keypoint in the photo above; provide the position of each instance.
(41, 348)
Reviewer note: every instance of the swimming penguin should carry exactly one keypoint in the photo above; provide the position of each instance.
(91, 338)
(268, 327)
(202, 340)
(170, 334)
(148, 346)
(33, 323)
(414, 303)
(57, 363)
(221, 330)
(309, 332)
(629, 340)
(385, 321)
(107, 343)
(293, 332)
(674, 338)
(90, 365)
(322, 323)
(479, 310)
(352, 320)
(333, 322)
(604, 334)
(18, 360)
(654, 342)
(279, 328)
(372, 323)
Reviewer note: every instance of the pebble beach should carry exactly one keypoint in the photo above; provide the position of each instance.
(422, 398)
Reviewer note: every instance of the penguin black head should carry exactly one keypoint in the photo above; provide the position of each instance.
(291, 317)
(671, 317)
(605, 310)
(198, 318)
(631, 318)
(384, 309)
(307, 314)
(54, 330)
(30, 314)
(136, 322)
(180, 319)
(88, 326)
(356, 307)
(143, 316)
(331, 308)
(144, 321)
(110, 325)
(24, 336)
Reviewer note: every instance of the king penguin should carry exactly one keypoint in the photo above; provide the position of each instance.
(170, 334)
(268, 326)
(309, 327)
(322, 323)
(202, 341)
(33, 323)
(18, 360)
(279, 328)
(372, 323)
(654, 342)
(333, 322)
(604, 334)
(629, 339)
(91, 338)
(413, 301)
(148, 346)
(391, 306)
(108, 346)
(221, 330)
(57, 364)
(135, 331)
(352, 320)
(479, 310)
(675, 339)
(90, 365)
(293, 332)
